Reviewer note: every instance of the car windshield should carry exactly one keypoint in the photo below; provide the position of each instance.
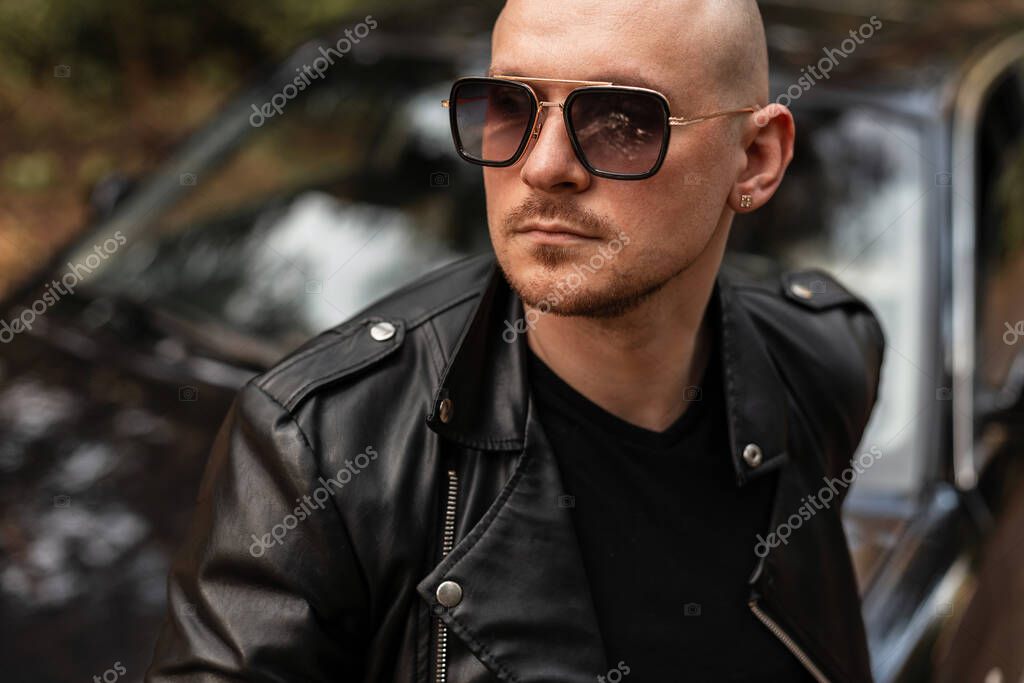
(348, 192)
(354, 189)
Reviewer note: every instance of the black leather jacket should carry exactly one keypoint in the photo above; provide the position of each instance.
(383, 506)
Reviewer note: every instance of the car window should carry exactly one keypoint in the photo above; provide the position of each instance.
(1000, 245)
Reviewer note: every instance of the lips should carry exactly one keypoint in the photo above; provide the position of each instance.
(554, 230)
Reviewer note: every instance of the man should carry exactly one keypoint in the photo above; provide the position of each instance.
(568, 464)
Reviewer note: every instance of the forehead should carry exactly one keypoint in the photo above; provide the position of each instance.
(594, 40)
(619, 76)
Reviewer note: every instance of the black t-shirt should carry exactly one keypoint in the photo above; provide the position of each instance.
(667, 536)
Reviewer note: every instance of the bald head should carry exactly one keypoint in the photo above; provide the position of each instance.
(705, 56)
(738, 54)
(710, 52)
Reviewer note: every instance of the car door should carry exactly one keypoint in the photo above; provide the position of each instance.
(982, 640)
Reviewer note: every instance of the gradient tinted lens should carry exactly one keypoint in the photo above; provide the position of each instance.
(492, 119)
(619, 132)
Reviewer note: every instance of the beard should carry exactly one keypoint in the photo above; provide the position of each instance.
(603, 294)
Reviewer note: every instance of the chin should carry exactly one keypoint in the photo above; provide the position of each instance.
(577, 286)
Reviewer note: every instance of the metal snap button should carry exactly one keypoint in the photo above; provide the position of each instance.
(449, 593)
(752, 455)
(801, 291)
(382, 331)
(445, 410)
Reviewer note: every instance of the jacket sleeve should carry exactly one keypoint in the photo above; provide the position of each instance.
(830, 346)
(851, 348)
(267, 586)
(866, 332)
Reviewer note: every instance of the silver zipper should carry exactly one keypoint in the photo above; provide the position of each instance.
(447, 543)
(788, 642)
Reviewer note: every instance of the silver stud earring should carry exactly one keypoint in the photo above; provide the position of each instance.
(746, 201)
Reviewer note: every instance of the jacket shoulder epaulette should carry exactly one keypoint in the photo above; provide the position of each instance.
(330, 356)
(373, 334)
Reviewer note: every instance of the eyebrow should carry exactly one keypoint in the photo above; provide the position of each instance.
(618, 78)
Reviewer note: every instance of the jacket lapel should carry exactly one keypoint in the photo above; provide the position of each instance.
(526, 610)
(754, 393)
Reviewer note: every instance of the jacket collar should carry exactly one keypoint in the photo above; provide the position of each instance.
(486, 387)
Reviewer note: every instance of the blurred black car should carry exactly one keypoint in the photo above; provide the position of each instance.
(261, 231)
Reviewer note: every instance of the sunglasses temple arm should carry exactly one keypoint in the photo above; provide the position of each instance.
(680, 121)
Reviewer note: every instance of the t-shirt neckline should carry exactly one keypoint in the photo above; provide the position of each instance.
(577, 406)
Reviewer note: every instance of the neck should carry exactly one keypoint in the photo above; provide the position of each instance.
(638, 366)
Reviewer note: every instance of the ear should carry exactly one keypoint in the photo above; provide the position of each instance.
(768, 139)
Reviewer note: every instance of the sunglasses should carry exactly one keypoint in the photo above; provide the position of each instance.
(617, 131)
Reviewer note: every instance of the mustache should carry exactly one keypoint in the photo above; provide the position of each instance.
(536, 208)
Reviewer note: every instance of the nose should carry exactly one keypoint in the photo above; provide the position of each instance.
(551, 164)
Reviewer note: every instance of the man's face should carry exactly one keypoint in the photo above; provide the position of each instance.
(641, 232)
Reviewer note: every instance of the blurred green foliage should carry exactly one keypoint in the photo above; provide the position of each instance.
(110, 44)
(88, 87)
